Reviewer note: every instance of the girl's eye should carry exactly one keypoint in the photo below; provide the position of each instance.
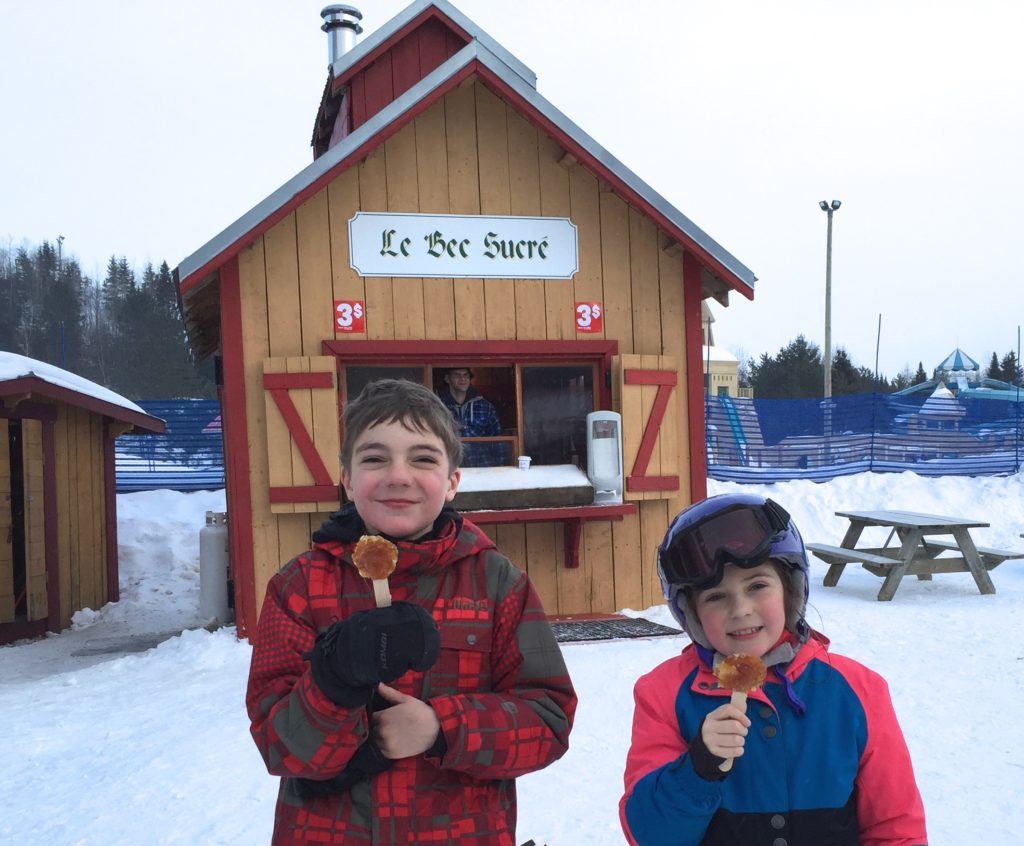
(712, 597)
(759, 585)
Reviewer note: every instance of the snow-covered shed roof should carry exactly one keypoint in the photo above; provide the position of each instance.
(22, 375)
(717, 354)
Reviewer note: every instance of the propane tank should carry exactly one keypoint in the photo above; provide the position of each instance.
(213, 569)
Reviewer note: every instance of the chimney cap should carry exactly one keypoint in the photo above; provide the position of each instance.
(335, 15)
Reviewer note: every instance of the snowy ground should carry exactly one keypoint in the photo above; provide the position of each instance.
(153, 747)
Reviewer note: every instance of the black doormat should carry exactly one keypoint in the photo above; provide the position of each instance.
(575, 631)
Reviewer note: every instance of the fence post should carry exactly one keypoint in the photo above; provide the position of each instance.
(874, 427)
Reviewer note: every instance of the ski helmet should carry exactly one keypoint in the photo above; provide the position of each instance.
(741, 529)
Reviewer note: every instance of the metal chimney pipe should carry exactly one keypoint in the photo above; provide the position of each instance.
(341, 23)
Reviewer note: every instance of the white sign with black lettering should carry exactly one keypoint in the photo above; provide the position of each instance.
(462, 246)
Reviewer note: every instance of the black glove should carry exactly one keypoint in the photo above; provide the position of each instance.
(379, 645)
(705, 762)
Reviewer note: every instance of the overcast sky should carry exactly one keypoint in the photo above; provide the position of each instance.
(143, 128)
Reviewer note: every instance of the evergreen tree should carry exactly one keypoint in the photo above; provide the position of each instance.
(796, 371)
(903, 379)
(1009, 369)
(38, 293)
(126, 335)
(920, 376)
(993, 371)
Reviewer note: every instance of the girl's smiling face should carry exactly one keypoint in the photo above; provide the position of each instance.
(744, 613)
(400, 479)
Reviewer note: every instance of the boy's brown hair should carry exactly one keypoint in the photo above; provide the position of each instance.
(399, 401)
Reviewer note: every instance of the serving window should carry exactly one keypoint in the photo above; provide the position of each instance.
(539, 391)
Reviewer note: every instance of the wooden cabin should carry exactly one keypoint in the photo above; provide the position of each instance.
(58, 507)
(453, 217)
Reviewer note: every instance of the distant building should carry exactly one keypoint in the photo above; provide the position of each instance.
(721, 367)
(959, 369)
(940, 411)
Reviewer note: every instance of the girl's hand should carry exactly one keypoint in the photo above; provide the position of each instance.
(408, 728)
(725, 731)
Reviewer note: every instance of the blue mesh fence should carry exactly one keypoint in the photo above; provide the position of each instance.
(748, 440)
(189, 456)
(757, 440)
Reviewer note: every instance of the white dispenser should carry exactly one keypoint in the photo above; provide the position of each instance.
(604, 456)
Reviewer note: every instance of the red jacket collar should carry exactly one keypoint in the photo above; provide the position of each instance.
(417, 558)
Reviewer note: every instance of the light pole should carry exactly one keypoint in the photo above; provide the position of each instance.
(828, 208)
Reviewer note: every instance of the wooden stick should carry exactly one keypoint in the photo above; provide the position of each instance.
(381, 593)
(739, 699)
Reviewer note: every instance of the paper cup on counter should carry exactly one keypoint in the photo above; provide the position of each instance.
(524, 462)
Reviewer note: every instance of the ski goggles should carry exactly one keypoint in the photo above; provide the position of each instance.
(742, 535)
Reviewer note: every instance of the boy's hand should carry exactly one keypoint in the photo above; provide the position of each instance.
(377, 645)
(725, 730)
(408, 728)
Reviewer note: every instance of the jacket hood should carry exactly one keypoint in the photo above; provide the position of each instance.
(451, 538)
(447, 397)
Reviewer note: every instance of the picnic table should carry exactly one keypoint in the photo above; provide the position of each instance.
(921, 544)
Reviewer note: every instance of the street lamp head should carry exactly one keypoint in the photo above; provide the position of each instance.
(824, 205)
(836, 204)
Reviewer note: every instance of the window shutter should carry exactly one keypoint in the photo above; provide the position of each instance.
(6, 550)
(646, 394)
(301, 396)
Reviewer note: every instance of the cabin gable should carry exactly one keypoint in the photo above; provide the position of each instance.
(364, 89)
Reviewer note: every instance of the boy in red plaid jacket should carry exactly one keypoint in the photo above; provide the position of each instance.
(405, 724)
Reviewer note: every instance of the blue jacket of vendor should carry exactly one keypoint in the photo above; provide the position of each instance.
(476, 417)
(824, 764)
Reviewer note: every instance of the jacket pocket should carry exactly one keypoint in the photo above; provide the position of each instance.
(464, 665)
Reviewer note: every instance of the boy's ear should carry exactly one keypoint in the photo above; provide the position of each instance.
(346, 479)
(453, 482)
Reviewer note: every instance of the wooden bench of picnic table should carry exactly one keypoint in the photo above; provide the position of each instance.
(841, 555)
(990, 556)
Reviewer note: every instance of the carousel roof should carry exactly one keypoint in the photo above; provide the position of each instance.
(958, 360)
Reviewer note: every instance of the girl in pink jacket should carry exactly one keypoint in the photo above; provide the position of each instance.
(819, 758)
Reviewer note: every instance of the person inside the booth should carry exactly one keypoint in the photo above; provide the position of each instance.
(475, 417)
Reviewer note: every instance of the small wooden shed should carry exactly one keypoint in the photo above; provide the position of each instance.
(58, 507)
(452, 216)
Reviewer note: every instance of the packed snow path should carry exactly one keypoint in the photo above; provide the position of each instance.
(153, 747)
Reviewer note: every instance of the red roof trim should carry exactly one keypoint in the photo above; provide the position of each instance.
(41, 388)
(397, 36)
(195, 278)
(496, 84)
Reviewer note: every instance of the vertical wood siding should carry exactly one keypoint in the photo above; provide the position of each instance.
(6, 548)
(472, 153)
(397, 70)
